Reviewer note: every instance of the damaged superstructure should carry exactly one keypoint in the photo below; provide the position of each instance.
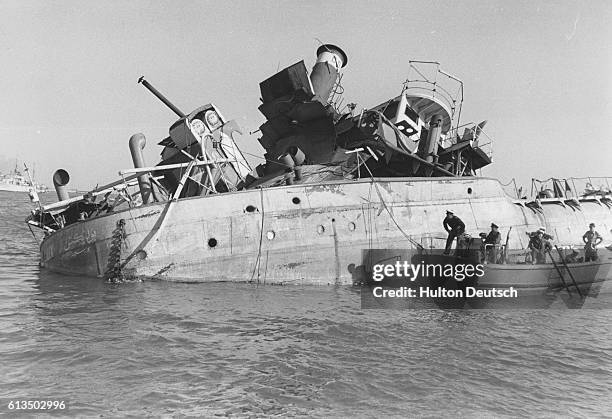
(401, 137)
(335, 180)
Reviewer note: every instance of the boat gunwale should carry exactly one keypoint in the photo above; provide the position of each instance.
(541, 266)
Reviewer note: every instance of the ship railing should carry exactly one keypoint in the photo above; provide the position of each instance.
(123, 192)
(572, 187)
(432, 241)
(117, 185)
(127, 180)
(573, 253)
(495, 250)
(115, 193)
(427, 77)
(140, 170)
(472, 132)
(512, 190)
(503, 253)
(195, 162)
(431, 89)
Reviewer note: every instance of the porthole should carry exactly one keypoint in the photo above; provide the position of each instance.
(469, 190)
(296, 200)
(250, 208)
(270, 235)
(212, 242)
(320, 229)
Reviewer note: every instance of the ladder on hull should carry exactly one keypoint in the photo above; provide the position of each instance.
(558, 268)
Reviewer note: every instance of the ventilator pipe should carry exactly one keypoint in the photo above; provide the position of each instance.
(297, 170)
(430, 148)
(288, 179)
(298, 158)
(297, 155)
(137, 144)
(60, 180)
(286, 160)
(330, 59)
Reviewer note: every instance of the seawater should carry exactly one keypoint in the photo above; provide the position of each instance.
(171, 349)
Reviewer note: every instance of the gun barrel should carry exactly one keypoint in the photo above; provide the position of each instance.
(161, 97)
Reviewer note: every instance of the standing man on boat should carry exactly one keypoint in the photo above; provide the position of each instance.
(454, 227)
(591, 239)
(491, 243)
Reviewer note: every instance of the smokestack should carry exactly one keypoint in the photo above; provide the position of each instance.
(137, 144)
(430, 147)
(60, 180)
(330, 59)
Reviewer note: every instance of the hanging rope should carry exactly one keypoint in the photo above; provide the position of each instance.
(257, 261)
(382, 201)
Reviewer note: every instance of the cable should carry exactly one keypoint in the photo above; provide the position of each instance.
(507, 184)
(256, 266)
(382, 201)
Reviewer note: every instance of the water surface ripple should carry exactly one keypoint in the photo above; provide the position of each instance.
(161, 348)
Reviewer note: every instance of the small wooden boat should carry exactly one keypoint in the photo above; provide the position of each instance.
(532, 285)
(554, 275)
(544, 276)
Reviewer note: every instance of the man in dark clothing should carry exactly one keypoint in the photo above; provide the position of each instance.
(539, 245)
(591, 239)
(572, 257)
(492, 242)
(454, 227)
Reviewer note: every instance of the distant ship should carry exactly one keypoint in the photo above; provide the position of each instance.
(15, 181)
(335, 182)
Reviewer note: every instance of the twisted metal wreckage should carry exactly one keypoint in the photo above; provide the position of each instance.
(335, 181)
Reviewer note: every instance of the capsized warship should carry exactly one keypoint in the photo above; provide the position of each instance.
(335, 181)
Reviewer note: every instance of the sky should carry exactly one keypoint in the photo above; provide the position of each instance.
(540, 72)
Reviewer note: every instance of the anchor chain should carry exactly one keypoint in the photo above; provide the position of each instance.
(113, 270)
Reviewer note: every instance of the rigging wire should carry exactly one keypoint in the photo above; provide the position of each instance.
(382, 201)
(257, 261)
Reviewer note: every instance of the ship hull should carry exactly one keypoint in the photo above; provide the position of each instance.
(9, 187)
(299, 234)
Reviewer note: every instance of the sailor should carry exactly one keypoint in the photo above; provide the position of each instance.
(454, 227)
(539, 244)
(591, 239)
(464, 244)
(483, 237)
(572, 257)
(491, 243)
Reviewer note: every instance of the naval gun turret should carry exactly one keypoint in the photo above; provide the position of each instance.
(207, 135)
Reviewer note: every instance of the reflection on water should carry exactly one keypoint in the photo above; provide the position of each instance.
(234, 349)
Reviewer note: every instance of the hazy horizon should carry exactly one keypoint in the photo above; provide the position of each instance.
(539, 72)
